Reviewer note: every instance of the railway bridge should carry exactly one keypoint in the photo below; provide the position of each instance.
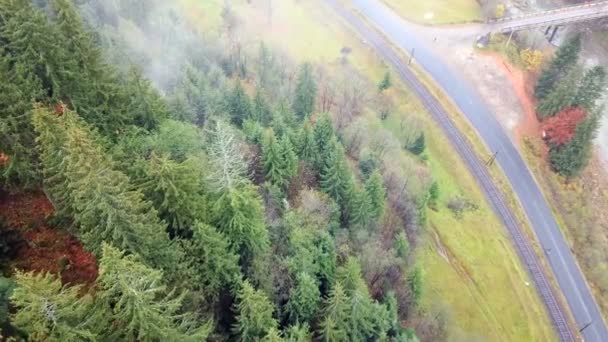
(550, 19)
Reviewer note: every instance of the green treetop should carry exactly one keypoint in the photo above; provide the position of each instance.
(238, 105)
(374, 186)
(254, 314)
(590, 89)
(565, 58)
(306, 92)
(138, 305)
(215, 264)
(304, 299)
(175, 189)
(48, 311)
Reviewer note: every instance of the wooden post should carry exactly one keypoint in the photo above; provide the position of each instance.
(411, 56)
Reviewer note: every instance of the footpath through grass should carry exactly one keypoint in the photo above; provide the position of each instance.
(470, 269)
(437, 11)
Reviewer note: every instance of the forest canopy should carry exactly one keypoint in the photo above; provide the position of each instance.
(230, 197)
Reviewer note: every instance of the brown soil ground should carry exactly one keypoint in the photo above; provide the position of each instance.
(40, 247)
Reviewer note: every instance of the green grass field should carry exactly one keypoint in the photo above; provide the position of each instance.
(470, 267)
(437, 11)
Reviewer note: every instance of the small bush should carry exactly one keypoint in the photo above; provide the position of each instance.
(459, 205)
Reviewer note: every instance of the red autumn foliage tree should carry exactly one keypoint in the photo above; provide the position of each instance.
(561, 128)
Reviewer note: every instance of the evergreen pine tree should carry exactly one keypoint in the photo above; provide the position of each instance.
(571, 158)
(215, 264)
(272, 157)
(239, 215)
(273, 335)
(48, 310)
(326, 259)
(336, 179)
(138, 305)
(175, 189)
(335, 315)
(303, 299)
(385, 83)
(99, 198)
(238, 105)
(323, 134)
(307, 145)
(590, 89)
(561, 97)
(349, 276)
(254, 314)
(565, 58)
(374, 186)
(298, 333)
(146, 107)
(194, 88)
(288, 157)
(36, 45)
(306, 92)
(360, 208)
(261, 111)
(18, 89)
(418, 146)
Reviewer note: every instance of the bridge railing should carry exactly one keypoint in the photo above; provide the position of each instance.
(552, 22)
(557, 10)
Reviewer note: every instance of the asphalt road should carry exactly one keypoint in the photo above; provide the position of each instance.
(569, 277)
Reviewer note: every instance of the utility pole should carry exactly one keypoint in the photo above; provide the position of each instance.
(270, 12)
(585, 327)
(490, 161)
(411, 56)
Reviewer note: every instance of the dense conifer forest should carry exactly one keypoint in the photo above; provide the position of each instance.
(200, 192)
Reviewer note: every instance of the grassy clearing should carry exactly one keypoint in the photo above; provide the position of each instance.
(481, 281)
(437, 11)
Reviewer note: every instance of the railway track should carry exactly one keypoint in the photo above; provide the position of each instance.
(474, 164)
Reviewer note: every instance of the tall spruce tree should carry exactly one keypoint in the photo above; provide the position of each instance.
(215, 264)
(176, 191)
(590, 88)
(261, 111)
(99, 198)
(306, 92)
(374, 186)
(335, 315)
(288, 156)
(336, 178)
(48, 311)
(138, 305)
(239, 214)
(565, 58)
(146, 107)
(360, 208)
(254, 314)
(33, 42)
(323, 134)
(307, 146)
(304, 299)
(571, 158)
(561, 97)
(272, 158)
(238, 105)
(18, 89)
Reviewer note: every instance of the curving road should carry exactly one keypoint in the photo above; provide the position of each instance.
(569, 277)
